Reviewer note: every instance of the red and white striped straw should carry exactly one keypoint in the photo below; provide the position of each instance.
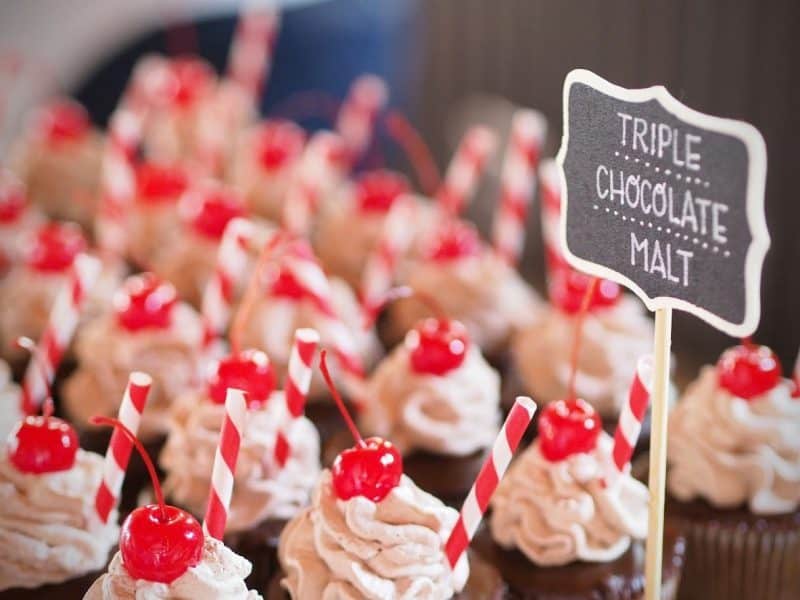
(252, 50)
(517, 182)
(466, 167)
(796, 377)
(632, 414)
(490, 475)
(396, 237)
(295, 388)
(550, 190)
(356, 120)
(120, 447)
(56, 337)
(230, 439)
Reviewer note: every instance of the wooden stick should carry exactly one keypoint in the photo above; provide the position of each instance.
(658, 452)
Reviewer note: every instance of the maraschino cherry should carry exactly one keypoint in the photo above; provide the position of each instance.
(42, 444)
(278, 141)
(209, 210)
(158, 183)
(145, 302)
(157, 542)
(376, 191)
(568, 287)
(748, 371)
(55, 247)
(454, 240)
(64, 121)
(250, 371)
(568, 427)
(372, 468)
(13, 198)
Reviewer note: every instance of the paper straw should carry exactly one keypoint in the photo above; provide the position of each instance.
(61, 325)
(120, 447)
(489, 476)
(551, 215)
(465, 169)
(252, 50)
(517, 182)
(298, 381)
(796, 377)
(356, 120)
(224, 468)
(632, 414)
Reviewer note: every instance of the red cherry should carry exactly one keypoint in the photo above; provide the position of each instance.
(64, 121)
(437, 346)
(145, 302)
(568, 427)
(160, 546)
(191, 78)
(455, 240)
(158, 183)
(55, 247)
(13, 199)
(376, 191)
(567, 288)
(748, 371)
(371, 469)
(277, 142)
(250, 371)
(42, 445)
(210, 210)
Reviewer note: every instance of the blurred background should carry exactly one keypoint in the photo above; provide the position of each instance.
(450, 63)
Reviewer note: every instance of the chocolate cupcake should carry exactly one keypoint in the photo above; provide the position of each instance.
(565, 523)
(734, 479)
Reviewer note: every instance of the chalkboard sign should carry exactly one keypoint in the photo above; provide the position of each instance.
(664, 200)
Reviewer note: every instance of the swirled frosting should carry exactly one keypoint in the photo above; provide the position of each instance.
(358, 549)
(262, 488)
(483, 292)
(274, 321)
(612, 341)
(150, 228)
(187, 264)
(10, 409)
(48, 529)
(575, 509)
(732, 452)
(219, 574)
(454, 414)
(107, 354)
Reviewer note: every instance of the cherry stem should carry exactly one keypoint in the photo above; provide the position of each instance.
(576, 341)
(116, 423)
(28, 344)
(747, 342)
(419, 155)
(398, 293)
(348, 420)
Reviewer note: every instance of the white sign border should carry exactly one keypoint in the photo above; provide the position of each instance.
(756, 182)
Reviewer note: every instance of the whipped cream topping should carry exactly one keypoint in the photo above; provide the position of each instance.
(274, 321)
(219, 574)
(454, 414)
(732, 452)
(359, 549)
(48, 529)
(575, 509)
(483, 292)
(10, 409)
(612, 341)
(262, 489)
(107, 354)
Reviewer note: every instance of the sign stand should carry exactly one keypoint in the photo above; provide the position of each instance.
(658, 452)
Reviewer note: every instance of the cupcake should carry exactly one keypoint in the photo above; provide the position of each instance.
(734, 479)
(266, 494)
(188, 258)
(356, 212)
(471, 283)
(264, 163)
(51, 543)
(10, 404)
(565, 523)
(148, 330)
(17, 220)
(58, 159)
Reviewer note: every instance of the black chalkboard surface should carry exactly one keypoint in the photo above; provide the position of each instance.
(665, 200)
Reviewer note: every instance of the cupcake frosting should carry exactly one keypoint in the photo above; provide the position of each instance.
(576, 509)
(358, 549)
(48, 529)
(187, 264)
(454, 414)
(612, 341)
(107, 354)
(262, 488)
(10, 408)
(732, 452)
(219, 574)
